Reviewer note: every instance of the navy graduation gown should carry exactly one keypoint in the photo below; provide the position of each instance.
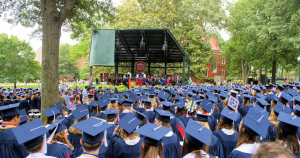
(243, 110)
(101, 115)
(179, 128)
(211, 122)
(297, 155)
(58, 150)
(237, 122)
(271, 137)
(150, 115)
(244, 151)
(75, 141)
(7, 102)
(15, 101)
(171, 145)
(217, 116)
(34, 103)
(104, 152)
(66, 122)
(9, 147)
(39, 100)
(110, 130)
(24, 105)
(122, 150)
(228, 141)
(216, 148)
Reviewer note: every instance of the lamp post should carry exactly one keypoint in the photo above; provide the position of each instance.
(298, 59)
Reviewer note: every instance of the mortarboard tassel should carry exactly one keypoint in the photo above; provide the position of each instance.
(45, 145)
(105, 139)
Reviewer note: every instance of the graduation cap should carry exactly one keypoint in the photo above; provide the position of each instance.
(288, 123)
(247, 97)
(229, 116)
(31, 133)
(23, 116)
(206, 105)
(9, 110)
(269, 87)
(129, 122)
(111, 113)
(164, 115)
(197, 134)
(54, 128)
(80, 112)
(262, 102)
(163, 95)
(154, 134)
(167, 104)
(212, 98)
(191, 106)
(147, 102)
(201, 117)
(255, 123)
(128, 102)
(223, 95)
(92, 130)
(262, 111)
(281, 108)
(51, 113)
(57, 105)
(141, 116)
(180, 104)
(120, 100)
(280, 87)
(285, 96)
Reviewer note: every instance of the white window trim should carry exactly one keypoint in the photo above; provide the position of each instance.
(207, 72)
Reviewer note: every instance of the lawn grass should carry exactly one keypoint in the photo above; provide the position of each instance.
(20, 85)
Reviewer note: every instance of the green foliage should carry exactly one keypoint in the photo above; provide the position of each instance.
(17, 60)
(67, 66)
(262, 32)
(121, 88)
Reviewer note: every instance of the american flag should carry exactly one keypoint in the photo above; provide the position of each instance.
(91, 77)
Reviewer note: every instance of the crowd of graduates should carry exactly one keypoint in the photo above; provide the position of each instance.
(191, 121)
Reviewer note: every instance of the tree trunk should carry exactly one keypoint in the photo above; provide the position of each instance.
(50, 54)
(281, 72)
(274, 70)
(260, 73)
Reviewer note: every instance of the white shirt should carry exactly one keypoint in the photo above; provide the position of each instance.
(248, 148)
(192, 155)
(38, 155)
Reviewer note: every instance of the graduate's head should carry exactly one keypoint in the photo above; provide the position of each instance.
(10, 113)
(227, 119)
(287, 131)
(274, 150)
(196, 136)
(32, 136)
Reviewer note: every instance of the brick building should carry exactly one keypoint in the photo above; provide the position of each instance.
(217, 68)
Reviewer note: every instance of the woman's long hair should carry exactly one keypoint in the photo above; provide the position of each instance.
(124, 135)
(189, 147)
(180, 112)
(75, 130)
(113, 106)
(152, 151)
(273, 118)
(245, 137)
(61, 137)
(154, 104)
(223, 124)
(291, 140)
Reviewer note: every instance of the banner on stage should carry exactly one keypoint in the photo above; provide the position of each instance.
(112, 76)
(155, 76)
(101, 77)
(141, 75)
(169, 76)
(148, 76)
(106, 77)
(175, 77)
(127, 76)
(163, 76)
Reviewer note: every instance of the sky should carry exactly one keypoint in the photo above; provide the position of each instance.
(24, 33)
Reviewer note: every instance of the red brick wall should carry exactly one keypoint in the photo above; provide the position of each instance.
(221, 67)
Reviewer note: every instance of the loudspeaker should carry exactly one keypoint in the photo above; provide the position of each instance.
(263, 79)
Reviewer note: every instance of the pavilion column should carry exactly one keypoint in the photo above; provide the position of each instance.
(116, 69)
(132, 67)
(149, 65)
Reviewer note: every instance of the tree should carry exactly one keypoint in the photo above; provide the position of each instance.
(264, 34)
(17, 60)
(49, 16)
(67, 66)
